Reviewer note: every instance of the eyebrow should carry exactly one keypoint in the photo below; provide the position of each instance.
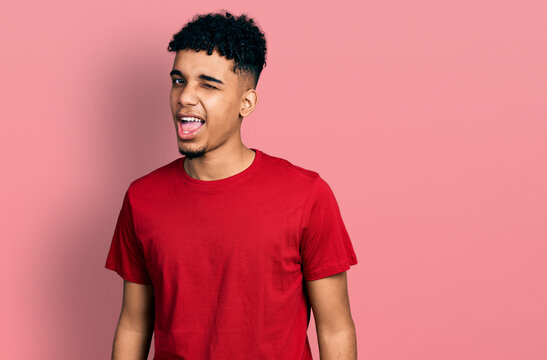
(202, 76)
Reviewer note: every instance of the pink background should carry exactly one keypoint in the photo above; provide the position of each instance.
(427, 118)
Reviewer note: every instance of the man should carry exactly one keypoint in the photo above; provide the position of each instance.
(225, 250)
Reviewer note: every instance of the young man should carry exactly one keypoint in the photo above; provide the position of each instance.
(225, 250)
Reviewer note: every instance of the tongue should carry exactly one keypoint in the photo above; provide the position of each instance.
(190, 125)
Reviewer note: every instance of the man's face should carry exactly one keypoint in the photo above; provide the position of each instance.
(206, 86)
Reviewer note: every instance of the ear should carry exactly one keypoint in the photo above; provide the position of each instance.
(249, 102)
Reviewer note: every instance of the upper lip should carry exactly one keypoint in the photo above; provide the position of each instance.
(181, 115)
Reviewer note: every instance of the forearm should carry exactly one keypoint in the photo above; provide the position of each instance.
(130, 344)
(341, 345)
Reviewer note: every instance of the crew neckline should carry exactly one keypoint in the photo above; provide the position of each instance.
(220, 183)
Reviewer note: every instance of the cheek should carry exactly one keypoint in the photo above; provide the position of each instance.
(217, 107)
(173, 99)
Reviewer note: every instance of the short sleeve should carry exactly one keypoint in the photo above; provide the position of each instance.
(126, 254)
(325, 246)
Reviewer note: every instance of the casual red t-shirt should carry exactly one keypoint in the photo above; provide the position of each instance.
(227, 258)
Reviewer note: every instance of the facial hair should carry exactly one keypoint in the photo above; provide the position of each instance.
(192, 154)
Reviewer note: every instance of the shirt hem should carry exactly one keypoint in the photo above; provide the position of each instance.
(327, 271)
(126, 275)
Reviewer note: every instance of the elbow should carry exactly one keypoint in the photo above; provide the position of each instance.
(339, 344)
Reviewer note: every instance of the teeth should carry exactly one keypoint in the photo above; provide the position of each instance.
(190, 119)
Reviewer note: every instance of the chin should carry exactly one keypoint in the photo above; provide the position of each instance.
(192, 153)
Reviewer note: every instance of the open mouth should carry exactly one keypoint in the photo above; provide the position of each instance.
(188, 126)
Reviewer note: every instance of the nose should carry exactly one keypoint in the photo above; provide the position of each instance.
(187, 96)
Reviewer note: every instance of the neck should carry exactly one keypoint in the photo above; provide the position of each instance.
(220, 163)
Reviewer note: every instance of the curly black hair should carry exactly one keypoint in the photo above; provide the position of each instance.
(237, 38)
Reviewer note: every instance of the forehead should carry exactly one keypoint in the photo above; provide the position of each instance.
(192, 64)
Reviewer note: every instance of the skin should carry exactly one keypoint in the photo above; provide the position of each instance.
(334, 325)
(215, 153)
(135, 327)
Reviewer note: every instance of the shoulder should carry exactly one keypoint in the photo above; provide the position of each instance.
(285, 170)
(308, 182)
(156, 180)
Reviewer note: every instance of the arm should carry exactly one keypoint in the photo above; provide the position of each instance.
(136, 323)
(333, 322)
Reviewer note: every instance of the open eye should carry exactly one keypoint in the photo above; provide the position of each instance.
(174, 81)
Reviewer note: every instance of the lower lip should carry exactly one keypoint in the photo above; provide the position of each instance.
(187, 136)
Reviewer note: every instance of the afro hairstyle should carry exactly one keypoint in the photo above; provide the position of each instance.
(237, 38)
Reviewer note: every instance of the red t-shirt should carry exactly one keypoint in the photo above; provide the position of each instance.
(227, 258)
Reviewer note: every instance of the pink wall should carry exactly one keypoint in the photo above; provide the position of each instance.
(427, 118)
